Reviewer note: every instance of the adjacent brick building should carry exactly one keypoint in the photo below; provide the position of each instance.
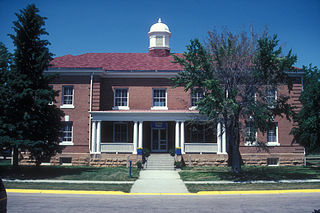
(115, 103)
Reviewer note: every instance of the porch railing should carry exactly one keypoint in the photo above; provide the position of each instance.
(201, 147)
(117, 147)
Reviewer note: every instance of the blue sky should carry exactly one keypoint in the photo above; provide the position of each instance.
(82, 26)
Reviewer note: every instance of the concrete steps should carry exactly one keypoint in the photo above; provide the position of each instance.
(160, 162)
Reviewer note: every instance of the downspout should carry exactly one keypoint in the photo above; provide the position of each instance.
(90, 109)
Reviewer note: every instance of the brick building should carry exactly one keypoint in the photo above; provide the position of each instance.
(115, 103)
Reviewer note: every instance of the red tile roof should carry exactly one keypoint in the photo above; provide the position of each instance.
(116, 61)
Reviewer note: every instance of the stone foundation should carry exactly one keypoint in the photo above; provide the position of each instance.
(261, 159)
(113, 160)
(85, 159)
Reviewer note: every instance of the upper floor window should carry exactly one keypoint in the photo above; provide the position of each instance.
(120, 98)
(196, 95)
(67, 97)
(272, 134)
(271, 96)
(67, 133)
(120, 132)
(159, 98)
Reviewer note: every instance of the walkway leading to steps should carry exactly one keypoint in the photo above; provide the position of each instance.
(159, 181)
(159, 176)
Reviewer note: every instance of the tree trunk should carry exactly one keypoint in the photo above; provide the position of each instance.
(15, 159)
(236, 160)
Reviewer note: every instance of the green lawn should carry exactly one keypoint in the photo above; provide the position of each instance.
(69, 173)
(67, 186)
(249, 173)
(256, 186)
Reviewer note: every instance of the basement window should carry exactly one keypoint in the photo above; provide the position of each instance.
(65, 161)
(273, 161)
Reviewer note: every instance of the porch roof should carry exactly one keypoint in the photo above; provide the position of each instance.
(146, 115)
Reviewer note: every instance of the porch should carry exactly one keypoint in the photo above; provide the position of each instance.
(160, 132)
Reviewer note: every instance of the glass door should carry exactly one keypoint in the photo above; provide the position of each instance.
(159, 140)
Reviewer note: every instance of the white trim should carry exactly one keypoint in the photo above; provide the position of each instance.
(166, 100)
(66, 143)
(145, 115)
(114, 100)
(274, 143)
(67, 106)
(121, 108)
(159, 108)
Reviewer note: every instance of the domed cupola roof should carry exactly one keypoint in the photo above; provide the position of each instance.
(159, 27)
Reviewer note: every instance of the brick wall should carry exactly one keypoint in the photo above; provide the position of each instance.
(140, 93)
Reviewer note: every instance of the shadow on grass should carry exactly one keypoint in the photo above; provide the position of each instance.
(251, 173)
(67, 173)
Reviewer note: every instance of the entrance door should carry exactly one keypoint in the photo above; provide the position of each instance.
(159, 140)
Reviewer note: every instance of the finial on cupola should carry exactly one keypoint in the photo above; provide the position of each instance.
(159, 20)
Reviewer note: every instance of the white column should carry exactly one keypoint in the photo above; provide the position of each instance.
(182, 136)
(140, 134)
(177, 134)
(98, 137)
(135, 137)
(93, 137)
(224, 139)
(219, 137)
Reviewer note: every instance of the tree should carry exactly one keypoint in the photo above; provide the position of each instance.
(234, 72)
(307, 133)
(30, 121)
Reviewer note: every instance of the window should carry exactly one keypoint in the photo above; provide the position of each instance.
(196, 95)
(251, 133)
(120, 98)
(273, 161)
(120, 132)
(67, 97)
(159, 41)
(272, 135)
(65, 161)
(197, 134)
(159, 98)
(66, 138)
(271, 96)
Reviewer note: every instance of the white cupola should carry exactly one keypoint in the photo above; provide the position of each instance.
(159, 35)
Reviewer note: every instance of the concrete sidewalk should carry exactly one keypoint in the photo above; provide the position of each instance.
(159, 181)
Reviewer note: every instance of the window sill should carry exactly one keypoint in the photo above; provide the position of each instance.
(273, 144)
(193, 108)
(66, 143)
(159, 108)
(67, 107)
(121, 108)
(254, 143)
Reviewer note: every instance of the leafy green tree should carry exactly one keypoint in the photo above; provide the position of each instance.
(307, 133)
(30, 122)
(234, 72)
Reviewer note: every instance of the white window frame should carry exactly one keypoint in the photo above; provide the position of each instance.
(274, 143)
(194, 107)
(114, 100)
(166, 100)
(203, 132)
(250, 143)
(67, 143)
(67, 106)
(114, 132)
(271, 105)
(158, 40)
